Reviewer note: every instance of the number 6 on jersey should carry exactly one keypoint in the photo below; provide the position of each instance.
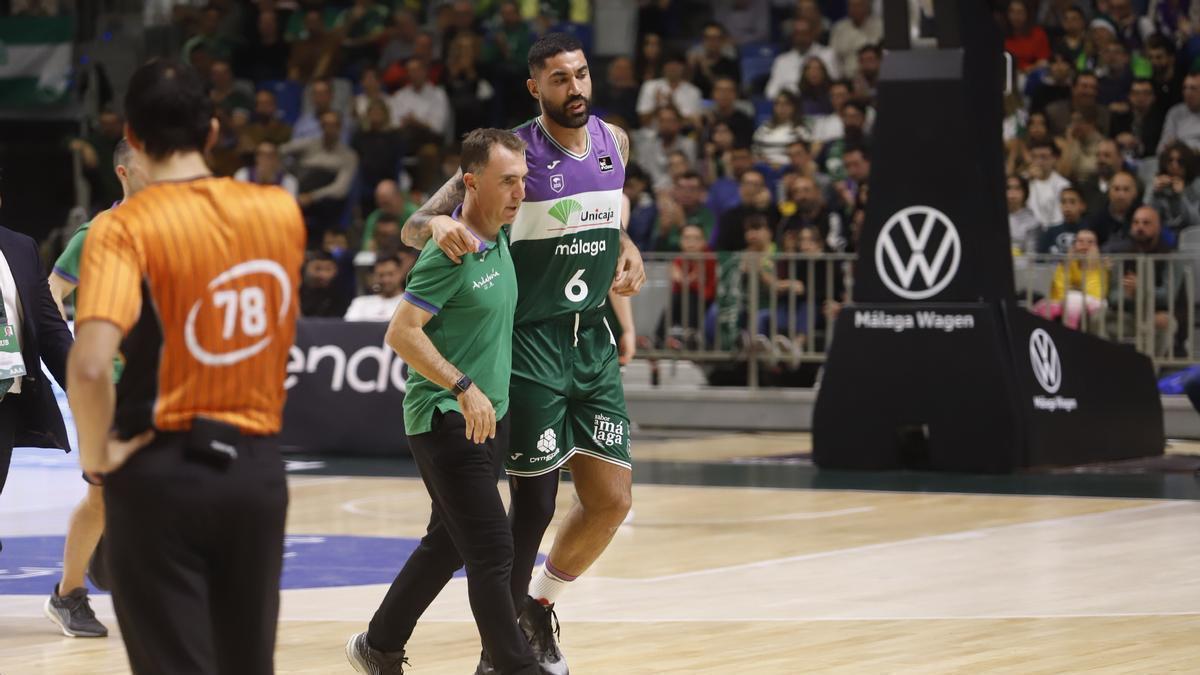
(577, 288)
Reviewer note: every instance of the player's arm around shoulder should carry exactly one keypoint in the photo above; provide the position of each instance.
(433, 220)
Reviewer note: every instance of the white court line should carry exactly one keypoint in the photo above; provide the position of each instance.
(830, 619)
(825, 619)
(800, 515)
(915, 540)
(306, 481)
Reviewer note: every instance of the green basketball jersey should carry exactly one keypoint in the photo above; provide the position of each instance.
(566, 237)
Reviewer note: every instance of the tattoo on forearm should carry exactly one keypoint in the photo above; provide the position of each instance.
(416, 229)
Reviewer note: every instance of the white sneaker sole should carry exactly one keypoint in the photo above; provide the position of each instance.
(352, 655)
(51, 614)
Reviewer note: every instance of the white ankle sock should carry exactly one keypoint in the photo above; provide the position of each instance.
(548, 583)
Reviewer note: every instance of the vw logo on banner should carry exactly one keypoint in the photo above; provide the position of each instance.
(911, 229)
(1043, 355)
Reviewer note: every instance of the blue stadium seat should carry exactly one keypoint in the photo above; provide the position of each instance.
(581, 32)
(288, 94)
(755, 60)
(762, 109)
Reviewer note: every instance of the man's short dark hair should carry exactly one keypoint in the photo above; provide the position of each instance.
(755, 221)
(801, 141)
(168, 108)
(1076, 9)
(690, 174)
(390, 258)
(385, 217)
(122, 154)
(477, 147)
(1086, 73)
(1072, 189)
(1047, 144)
(1157, 41)
(319, 254)
(674, 56)
(634, 171)
(740, 144)
(872, 48)
(860, 149)
(1143, 80)
(552, 44)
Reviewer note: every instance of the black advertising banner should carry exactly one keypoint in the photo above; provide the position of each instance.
(1085, 400)
(345, 390)
(938, 371)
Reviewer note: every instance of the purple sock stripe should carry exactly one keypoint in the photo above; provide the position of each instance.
(559, 574)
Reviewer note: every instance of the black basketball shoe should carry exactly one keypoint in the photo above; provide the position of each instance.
(485, 666)
(371, 661)
(540, 624)
(73, 614)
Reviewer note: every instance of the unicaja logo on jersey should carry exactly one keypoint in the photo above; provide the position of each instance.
(900, 237)
(1043, 355)
(564, 209)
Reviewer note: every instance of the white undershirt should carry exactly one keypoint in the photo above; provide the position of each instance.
(12, 308)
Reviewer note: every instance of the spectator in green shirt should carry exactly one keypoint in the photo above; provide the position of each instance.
(506, 51)
(684, 206)
(391, 200)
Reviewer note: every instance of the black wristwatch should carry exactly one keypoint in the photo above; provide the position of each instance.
(461, 386)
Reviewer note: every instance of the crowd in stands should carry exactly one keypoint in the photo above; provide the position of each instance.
(751, 123)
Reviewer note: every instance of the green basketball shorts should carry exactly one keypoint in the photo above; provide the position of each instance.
(566, 395)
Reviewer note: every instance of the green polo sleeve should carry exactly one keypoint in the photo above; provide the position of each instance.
(434, 280)
(67, 265)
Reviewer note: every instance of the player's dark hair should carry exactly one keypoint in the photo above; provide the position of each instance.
(168, 108)
(552, 44)
(122, 153)
(477, 147)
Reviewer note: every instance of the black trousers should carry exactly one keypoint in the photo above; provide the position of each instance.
(8, 429)
(468, 525)
(195, 553)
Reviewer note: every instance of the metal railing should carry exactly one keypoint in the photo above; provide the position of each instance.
(763, 309)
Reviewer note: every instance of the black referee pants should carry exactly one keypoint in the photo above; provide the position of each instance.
(195, 553)
(469, 525)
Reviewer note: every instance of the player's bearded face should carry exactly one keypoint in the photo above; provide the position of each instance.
(573, 112)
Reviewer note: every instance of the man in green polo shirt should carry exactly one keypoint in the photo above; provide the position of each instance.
(68, 604)
(454, 330)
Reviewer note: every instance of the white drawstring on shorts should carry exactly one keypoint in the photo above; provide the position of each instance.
(576, 329)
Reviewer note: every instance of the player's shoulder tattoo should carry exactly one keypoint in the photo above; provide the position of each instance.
(622, 139)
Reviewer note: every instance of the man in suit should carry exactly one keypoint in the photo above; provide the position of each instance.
(29, 415)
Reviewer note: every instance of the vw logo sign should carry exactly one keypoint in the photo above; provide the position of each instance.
(1043, 355)
(901, 252)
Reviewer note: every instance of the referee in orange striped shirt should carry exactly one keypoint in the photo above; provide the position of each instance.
(194, 279)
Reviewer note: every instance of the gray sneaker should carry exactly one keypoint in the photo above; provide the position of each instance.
(540, 624)
(73, 614)
(370, 661)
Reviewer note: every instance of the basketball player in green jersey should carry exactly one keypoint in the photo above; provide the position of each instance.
(68, 605)
(568, 406)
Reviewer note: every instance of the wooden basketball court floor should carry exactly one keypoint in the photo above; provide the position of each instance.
(715, 574)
